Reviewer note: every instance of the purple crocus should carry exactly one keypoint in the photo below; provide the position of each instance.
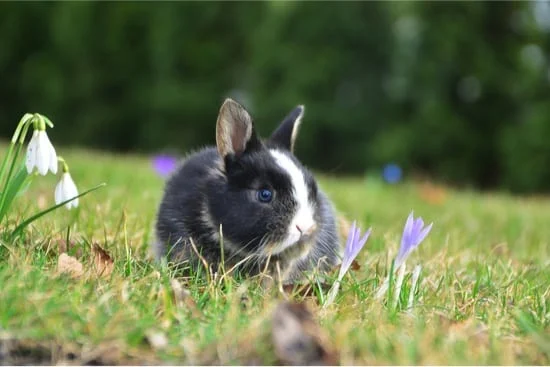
(164, 165)
(354, 244)
(413, 234)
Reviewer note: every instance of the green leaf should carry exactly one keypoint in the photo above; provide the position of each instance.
(28, 221)
(13, 188)
(8, 178)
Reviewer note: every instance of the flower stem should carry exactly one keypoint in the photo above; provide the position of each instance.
(65, 167)
(398, 285)
(22, 123)
(16, 144)
(386, 284)
(19, 134)
(332, 293)
(414, 285)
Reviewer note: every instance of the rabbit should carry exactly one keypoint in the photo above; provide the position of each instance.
(248, 203)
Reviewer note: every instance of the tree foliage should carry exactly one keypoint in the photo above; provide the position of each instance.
(457, 91)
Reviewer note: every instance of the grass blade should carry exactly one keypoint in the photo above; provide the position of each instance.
(44, 212)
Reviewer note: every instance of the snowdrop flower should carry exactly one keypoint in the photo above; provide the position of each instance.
(66, 189)
(354, 244)
(413, 234)
(40, 152)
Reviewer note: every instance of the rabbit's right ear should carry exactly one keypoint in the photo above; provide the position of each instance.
(286, 133)
(234, 130)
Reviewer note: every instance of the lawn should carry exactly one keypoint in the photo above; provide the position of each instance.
(484, 294)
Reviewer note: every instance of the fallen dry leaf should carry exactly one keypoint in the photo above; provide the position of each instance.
(70, 265)
(298, 339)
(103, 262)
(355, 265)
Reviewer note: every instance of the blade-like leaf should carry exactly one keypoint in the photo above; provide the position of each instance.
(7, 180)
(7, 157)
(28, 221)
(15, 185)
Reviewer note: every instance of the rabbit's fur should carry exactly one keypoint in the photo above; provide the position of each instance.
(229, 186)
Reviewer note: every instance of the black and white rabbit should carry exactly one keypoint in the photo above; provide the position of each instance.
(272, 213)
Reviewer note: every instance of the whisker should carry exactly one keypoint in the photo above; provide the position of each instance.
(241, 250)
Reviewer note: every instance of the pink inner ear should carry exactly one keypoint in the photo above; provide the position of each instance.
(238, 138)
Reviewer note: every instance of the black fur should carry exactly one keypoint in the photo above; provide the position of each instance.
(208, 191)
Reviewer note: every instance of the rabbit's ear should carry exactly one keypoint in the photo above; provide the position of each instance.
(286, 133)
(234, 130)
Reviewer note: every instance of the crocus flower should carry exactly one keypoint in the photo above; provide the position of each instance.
(413, 234)
(65, 190)
(354, 244)
(41, 153)
(164, 165)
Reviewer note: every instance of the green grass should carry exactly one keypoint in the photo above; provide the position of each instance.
(484, 296)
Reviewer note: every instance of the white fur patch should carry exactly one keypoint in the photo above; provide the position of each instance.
(303, 218)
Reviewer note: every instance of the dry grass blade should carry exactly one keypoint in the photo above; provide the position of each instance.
(298, 339)
(305, 289)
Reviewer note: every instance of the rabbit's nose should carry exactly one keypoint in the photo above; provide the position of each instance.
(306, 231)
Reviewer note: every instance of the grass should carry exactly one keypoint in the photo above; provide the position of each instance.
(484, 296)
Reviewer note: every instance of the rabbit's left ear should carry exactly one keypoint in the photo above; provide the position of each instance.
(234, 130)
(286, 133)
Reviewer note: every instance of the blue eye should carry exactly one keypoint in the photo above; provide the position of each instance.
(264, 195)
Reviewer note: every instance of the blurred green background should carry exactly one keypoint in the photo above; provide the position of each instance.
(458, 92)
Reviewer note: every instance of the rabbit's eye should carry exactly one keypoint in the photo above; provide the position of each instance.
(264, 195)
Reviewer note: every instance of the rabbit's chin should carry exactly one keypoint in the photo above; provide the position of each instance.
(295, 245)
(294, 238)
(291, 240)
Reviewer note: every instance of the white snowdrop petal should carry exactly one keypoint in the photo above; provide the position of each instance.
(59, 192)
(66, 193)
(42, 154)
(52, 158)
(74, 203)
(29, 161)
(70, 188)
(31, 152)
(67, 189)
